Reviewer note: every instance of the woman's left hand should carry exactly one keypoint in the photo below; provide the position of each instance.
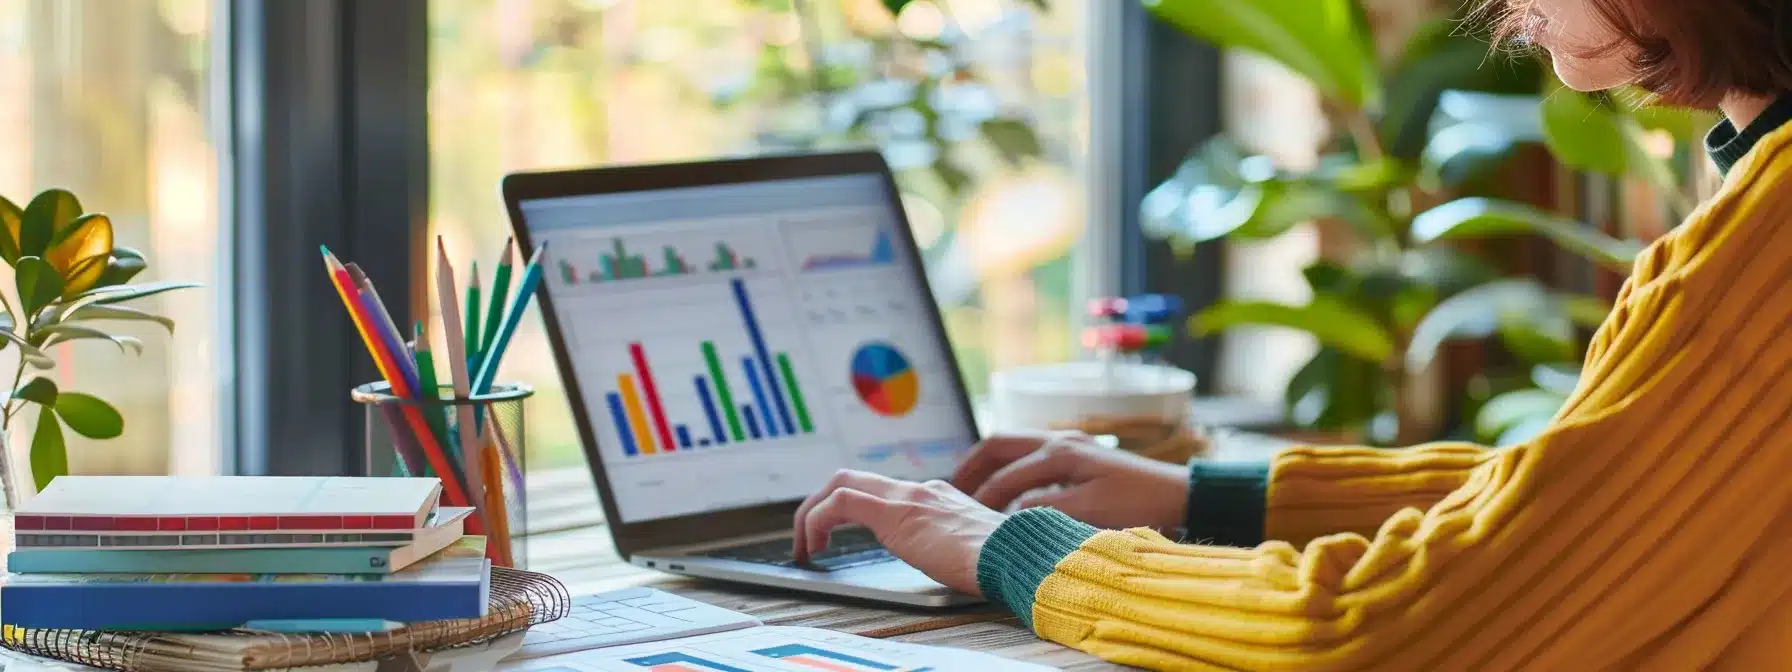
(931, 525)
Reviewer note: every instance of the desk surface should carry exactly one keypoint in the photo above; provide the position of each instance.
(584, 559)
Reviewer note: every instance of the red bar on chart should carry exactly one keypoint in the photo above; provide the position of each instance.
(652, 392)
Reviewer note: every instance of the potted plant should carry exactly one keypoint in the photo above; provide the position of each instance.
(70, 278)
(1407, 170)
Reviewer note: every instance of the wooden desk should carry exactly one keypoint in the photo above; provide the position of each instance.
(582, 557)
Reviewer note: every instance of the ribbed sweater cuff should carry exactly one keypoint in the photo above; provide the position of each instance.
(1022, 552)
(1226, 502)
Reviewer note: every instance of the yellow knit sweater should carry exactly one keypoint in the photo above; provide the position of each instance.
(1649, 528)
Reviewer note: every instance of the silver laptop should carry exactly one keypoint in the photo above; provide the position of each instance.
(730, 334)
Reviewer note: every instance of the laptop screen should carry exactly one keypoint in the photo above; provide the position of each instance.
(736, 344)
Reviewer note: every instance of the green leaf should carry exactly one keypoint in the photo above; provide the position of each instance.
(89, 415)
(121, 313)
(1523, 431)
(895, 6)
(1480, 217)
(1329, 277)
(1688, 126)
(1325, 41)
(1013, 138)
(1411, 305)
(32, 354)
(1512, 408)
(49, 455)
(1583, 134)
(1335, 392)
(1445, 269)
(1586, 311)
(122, 293)
(1331, 320)
(12, 221)
(1540, 341)
(63, 333)
(1465, 153)
(1561, 378)
(1438, 58)
(43, 217)
(1475, 313)
(38, 284)
(39, 390)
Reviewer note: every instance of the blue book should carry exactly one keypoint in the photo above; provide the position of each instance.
(445, 528)
(454, 583)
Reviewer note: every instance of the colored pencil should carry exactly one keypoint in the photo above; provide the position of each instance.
(465, 412)
(429, 396)
(494, 351)
(380, 322)
(363, 314)
(470, 332)
(499, 303)
(409, 453)
(496, 508)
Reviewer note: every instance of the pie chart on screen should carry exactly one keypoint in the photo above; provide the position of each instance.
(884, 381)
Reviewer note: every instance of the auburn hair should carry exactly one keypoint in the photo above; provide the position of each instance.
(1686, 52)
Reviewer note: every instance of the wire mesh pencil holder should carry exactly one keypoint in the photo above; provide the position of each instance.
(392, 430)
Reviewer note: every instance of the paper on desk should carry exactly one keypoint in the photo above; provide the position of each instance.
(776, 649)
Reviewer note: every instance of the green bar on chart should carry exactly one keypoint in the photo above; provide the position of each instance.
(727, 397)
(796, 395)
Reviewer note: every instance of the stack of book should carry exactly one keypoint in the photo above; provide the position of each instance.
(273, 553)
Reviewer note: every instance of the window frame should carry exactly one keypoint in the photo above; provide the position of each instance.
(328, 145)
(324, 109)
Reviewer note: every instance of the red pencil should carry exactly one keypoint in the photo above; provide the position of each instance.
(451, 487)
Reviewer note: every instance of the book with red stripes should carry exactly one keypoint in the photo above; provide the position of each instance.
(225, 512)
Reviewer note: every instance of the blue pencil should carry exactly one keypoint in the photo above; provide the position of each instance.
(385, 329)
(494, 351)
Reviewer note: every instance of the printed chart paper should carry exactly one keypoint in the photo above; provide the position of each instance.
(776, 649)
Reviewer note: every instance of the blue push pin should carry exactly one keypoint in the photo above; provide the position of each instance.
(1153, 308)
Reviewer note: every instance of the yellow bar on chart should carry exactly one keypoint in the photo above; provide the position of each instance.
(637, 418)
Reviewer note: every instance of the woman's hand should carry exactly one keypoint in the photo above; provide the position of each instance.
(931, 525)
(1099, 486)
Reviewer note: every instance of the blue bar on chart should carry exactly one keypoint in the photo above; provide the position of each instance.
(746, 411)
(771, 423)
(684, 436)
(620, 417)
(709, 409)
(765, 362)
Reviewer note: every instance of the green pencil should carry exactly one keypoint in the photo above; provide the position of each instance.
(471, 330)
(431, 392)
(500, 290)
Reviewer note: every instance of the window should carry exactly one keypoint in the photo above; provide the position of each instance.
(978, 104)
(110, 100)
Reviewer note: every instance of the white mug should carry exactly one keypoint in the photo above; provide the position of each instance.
(1049, 396)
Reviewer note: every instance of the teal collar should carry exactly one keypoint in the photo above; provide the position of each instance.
(1728, 145)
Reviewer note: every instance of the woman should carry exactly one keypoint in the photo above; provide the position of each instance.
(1650, 527)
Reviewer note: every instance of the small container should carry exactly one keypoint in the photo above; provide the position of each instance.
(1145, 407)
(501, 413)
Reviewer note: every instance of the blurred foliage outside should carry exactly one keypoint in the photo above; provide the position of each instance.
(979, 106)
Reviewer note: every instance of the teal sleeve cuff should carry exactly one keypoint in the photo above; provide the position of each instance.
(1227, 502)
(1022, 552)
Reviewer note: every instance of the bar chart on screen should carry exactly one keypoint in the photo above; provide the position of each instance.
(738, 389)
(632, 256)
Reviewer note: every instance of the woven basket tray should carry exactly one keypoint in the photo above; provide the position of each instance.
(519, 599)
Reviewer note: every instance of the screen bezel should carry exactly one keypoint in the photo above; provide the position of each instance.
(527, 186)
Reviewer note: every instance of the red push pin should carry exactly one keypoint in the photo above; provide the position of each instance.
(1107, 307)
(1126, 338)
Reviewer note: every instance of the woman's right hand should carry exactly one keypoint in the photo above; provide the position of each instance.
(1100, 486)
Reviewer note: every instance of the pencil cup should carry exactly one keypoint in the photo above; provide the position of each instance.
(402, 436)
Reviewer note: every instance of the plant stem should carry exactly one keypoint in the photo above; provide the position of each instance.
(11, 404)
(1362, 132)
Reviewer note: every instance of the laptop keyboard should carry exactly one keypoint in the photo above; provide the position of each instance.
(849, 547)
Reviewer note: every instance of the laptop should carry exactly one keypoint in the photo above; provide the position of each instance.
(730, 333)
